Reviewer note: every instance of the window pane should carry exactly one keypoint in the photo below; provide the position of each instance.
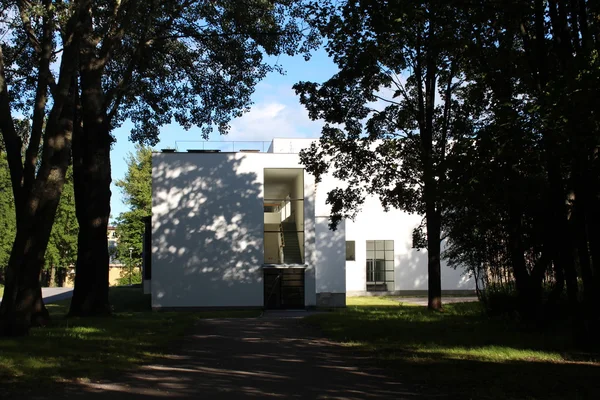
(389, 265)
(370, 271)
(370, 254)
(379, 245)
(389, 255)
(370, 245)
(389, 276)
(350, 246)
(379, 271)
(379, 255)
(389, 245)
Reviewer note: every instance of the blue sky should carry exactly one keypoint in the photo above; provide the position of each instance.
(276, 112)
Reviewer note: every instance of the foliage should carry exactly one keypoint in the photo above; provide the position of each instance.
(62, 247)
(195, 63)
(461, 352)
(481, 118)
(7, 214)
(52, 356)
(385, 134)
(137, 192)
(524, 210)
(130, 276)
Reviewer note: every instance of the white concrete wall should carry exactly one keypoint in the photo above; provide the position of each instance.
(331, 257)
(207, 229)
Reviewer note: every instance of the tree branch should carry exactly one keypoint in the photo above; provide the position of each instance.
(12, 141)
(41, 97)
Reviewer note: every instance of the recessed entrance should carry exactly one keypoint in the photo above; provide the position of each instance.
(284, 288)
(284, 216)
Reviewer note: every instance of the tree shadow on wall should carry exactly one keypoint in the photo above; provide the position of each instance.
(207, 231)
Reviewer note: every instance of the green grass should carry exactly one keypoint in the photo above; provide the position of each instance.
(94, 348)
(1, 290)
(462, 353)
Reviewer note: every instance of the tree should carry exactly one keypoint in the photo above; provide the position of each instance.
(403, 55)
(62, 247)
(31, 42)
(137, 188)
(151, 62)
(7, 215)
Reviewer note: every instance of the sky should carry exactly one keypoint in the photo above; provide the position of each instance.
(276, 112)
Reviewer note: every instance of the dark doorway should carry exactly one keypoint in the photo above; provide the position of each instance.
(284, 288)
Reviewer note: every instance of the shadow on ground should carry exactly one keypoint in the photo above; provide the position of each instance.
(255, 358)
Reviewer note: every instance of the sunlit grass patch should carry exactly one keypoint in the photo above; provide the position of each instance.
(490, 353)
(371, 301)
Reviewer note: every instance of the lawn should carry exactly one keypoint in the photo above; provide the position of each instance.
(462, 353)
(1, 291)
(93, 348)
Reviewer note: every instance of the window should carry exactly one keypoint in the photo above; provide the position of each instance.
(350, 252)
(380, 265)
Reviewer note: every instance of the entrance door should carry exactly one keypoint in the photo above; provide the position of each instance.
(284, 288)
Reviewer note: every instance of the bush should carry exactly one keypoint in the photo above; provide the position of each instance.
(136, 277)
(500, 299)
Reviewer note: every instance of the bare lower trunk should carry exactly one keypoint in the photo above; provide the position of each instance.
(434, 283)
(92, 178)
(52, 279)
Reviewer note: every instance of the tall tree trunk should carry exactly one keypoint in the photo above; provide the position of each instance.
(91, 173)
(52, 278)
(517, 258)
(92, 178)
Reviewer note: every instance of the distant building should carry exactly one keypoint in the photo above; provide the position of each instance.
(113, 241)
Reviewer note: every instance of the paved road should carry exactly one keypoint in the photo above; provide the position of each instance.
(51, 295)
(270, 357)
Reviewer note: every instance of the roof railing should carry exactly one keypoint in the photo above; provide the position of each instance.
(246, 146)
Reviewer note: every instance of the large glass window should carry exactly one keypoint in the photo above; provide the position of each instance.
(380, 265)
(284, 216)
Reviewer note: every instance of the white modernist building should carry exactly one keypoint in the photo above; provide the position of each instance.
(250, 229)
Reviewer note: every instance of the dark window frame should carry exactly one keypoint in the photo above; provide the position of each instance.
(353, 250)
(376, 268)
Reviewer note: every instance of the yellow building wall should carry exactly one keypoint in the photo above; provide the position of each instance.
(114, 274)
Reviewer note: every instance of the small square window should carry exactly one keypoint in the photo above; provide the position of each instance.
(350, 253)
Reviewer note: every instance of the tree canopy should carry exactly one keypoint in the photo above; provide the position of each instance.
(480, 117)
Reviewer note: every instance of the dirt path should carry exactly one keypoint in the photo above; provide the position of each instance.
(254, 358)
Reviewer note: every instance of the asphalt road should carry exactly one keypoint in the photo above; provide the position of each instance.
(51, 295)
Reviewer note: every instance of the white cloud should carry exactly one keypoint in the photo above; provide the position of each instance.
(280, 117)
